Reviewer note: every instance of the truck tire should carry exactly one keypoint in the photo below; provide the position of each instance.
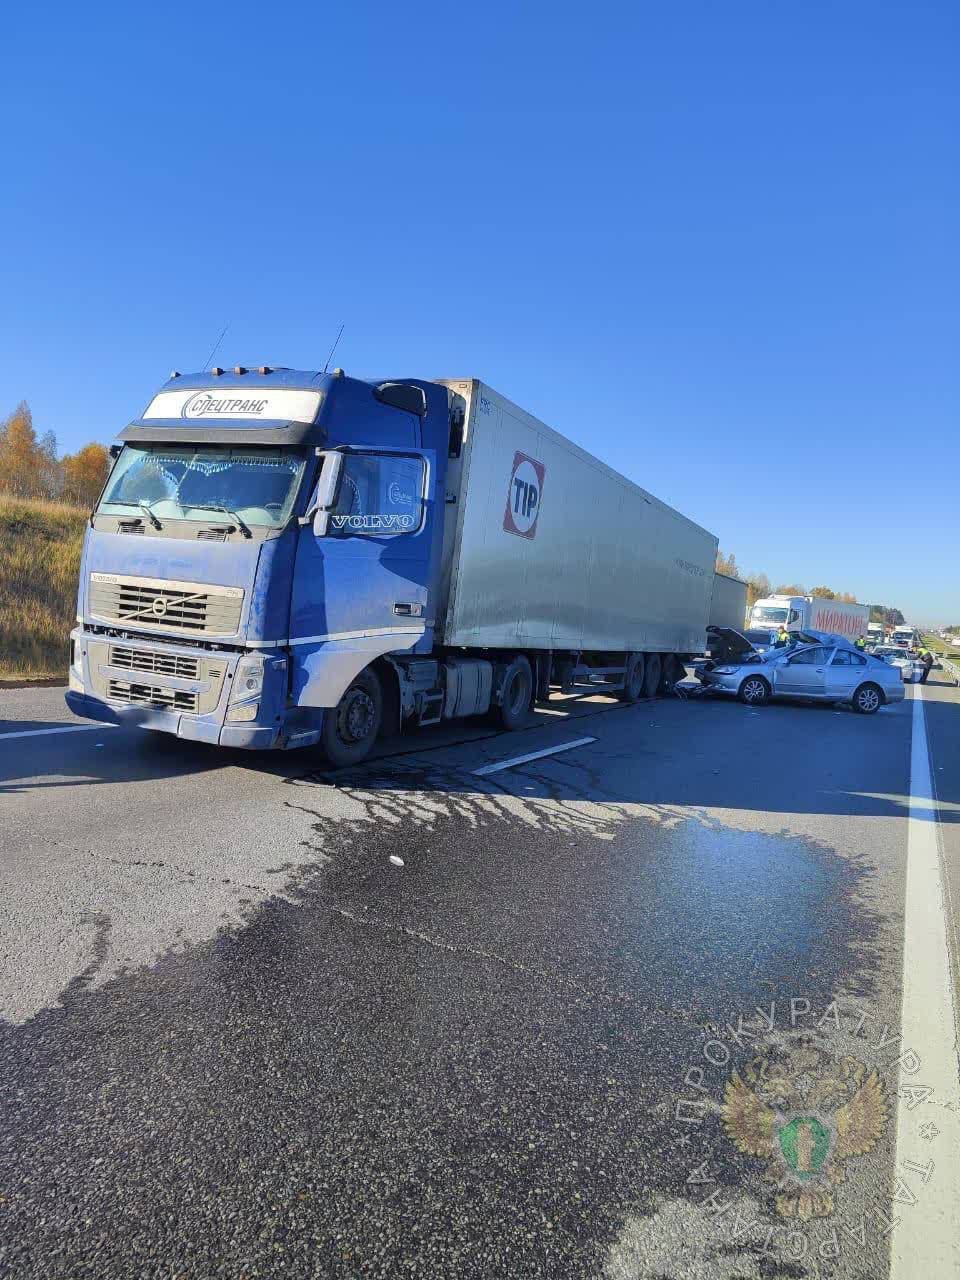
(672, 671)
(632, 679)
(867, 700)
(651, 675)
(754, 691)
(350, 728)
(515, 698)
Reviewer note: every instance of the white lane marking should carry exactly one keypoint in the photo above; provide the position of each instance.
(532, 755)
(67, 728)
(927, 1177)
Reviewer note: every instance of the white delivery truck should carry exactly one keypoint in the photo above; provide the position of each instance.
(811, 613)
(906, 637)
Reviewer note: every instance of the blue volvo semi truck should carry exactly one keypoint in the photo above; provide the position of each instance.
(284, 558)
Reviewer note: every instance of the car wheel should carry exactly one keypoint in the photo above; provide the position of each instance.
(867, 699)
(633, 679)
(755, 691)
(651, 675)
(351, 727)
(515, 699)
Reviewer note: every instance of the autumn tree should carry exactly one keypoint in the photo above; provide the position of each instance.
(758, 588)
(84, 474)
(791, 590)
(822, 593)
(727, 564)
(20, 457)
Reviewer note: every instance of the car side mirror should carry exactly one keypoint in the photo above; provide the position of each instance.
(327, 493)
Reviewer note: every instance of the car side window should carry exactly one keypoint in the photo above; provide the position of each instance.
(810, 657)
(842, 658)
(857, 660)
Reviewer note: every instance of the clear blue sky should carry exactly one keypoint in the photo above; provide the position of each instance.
(714, 243)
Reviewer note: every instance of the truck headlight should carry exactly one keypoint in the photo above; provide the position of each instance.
(248, 678)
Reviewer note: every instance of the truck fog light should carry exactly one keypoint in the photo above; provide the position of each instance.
(244, 711)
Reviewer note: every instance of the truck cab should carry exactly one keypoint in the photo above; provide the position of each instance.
(264, 535)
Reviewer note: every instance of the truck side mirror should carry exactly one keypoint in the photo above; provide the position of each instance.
(328, 491)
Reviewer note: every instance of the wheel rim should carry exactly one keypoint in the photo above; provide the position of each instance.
(869, 700)
(356, 716)
(516, 694)
(753, 691)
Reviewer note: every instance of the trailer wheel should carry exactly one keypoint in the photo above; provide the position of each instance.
(515, 699)
(651, 676)
(632, 679)
(351, 727)
(671, 672)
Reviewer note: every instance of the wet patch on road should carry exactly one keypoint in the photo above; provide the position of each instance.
(457, 1067)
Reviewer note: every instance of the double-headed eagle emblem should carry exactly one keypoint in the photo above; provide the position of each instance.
(807, 1115)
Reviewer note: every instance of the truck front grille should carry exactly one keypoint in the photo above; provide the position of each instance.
(166, 605)
(149, 695)
(161, 664)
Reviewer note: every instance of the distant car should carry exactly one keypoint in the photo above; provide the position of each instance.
(910, 670)
(825, 672)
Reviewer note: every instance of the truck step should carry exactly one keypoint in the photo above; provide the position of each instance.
(431, 707)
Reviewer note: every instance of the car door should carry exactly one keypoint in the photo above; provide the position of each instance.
(845, 672)
(803, 674)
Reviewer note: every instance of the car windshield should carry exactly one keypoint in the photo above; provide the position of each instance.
(258, 485)
(769, 613)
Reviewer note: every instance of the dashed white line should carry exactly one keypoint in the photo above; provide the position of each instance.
(532, 755)
(67, 728)
(926, 1192)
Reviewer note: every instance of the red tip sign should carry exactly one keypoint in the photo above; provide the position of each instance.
(523, 496)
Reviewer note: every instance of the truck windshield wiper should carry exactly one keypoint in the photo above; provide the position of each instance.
(216, 506)
(148, 508)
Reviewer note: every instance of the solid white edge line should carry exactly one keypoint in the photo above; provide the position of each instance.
(67, 728)
(926, 1200)
(531, 755)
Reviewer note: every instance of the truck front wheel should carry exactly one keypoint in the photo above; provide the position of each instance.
(351, 727)
(517, 690)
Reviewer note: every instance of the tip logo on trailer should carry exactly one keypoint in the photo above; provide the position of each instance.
(523, 496)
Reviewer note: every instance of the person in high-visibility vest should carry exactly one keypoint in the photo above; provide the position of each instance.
(860, 642)
(783, 637)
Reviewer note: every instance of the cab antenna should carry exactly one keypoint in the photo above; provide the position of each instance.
(333, 349)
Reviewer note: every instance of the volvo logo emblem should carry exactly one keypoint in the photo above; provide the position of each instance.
(159, 606)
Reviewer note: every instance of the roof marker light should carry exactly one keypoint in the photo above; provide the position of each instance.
(174, 373)
(238, 368)
(265, 368)
(216, 371)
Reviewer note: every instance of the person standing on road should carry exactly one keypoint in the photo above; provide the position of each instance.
(926, 658)
(860, 643)
(783, 637)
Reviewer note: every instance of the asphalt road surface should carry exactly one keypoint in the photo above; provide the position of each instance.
(672, 1002)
